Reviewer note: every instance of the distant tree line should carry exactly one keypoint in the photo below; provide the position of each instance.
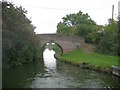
(20, 44)
(105, 38)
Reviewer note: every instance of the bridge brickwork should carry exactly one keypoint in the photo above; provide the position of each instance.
(67, 42)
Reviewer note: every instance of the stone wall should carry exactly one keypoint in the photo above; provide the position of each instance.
(67, 42)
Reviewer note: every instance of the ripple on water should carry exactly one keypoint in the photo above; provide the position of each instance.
(58, 75)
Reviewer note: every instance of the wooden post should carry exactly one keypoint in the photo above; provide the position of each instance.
(119, 10)
(112, 12)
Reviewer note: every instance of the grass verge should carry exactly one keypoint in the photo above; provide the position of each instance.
(95, 60)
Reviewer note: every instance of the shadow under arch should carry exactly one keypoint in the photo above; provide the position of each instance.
(43, 47)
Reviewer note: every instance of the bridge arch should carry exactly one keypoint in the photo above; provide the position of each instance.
(50, 42)
(67, 43)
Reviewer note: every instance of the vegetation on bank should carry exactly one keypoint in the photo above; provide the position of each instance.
(95, 60)
(19, 42)
(103, 37)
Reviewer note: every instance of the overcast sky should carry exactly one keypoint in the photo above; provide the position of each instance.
(46, 14)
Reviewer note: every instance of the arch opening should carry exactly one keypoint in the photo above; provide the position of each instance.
(53, 46)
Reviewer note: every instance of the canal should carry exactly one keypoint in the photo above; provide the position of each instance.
(52, 73)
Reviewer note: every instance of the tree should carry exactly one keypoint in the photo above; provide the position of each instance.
(77, 24)
(20, 44)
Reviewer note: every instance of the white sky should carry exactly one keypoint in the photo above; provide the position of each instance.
(46, 14)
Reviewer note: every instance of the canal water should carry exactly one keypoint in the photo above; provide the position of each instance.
(52, 73)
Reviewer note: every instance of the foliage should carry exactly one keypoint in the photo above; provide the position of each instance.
(76, 24)
(106, 40)
(20, 44)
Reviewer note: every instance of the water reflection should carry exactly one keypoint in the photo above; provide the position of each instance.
(49, 60)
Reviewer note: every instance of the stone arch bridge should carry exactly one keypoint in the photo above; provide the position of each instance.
(67, 42)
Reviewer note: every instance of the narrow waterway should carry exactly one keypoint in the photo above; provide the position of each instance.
(52, 73)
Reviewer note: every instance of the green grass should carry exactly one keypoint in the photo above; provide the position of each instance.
(95, 60)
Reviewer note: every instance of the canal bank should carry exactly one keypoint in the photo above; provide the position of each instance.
(91, 60)
(53, 73)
